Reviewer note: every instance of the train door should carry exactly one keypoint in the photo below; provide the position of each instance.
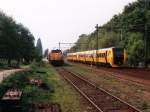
(106, 54)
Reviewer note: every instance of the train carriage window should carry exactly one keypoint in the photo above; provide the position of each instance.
(99, 55)
(94, 54)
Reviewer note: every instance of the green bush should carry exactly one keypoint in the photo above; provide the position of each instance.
(31, 93)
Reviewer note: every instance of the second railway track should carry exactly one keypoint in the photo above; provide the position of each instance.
(124, 74)
(99, 98)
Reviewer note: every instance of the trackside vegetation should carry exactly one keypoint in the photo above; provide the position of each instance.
(129, 29)
(57, 91)
(32, 94)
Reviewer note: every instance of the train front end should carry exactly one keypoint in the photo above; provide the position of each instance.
(119, 57)
(56, 57)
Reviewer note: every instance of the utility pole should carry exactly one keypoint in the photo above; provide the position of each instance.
(97, 46)
(121, 34)
(145, 38)
(97, 37)
(145, 46)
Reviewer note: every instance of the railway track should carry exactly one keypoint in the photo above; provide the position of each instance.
(99, 98)
(121, 75)
(130, 75)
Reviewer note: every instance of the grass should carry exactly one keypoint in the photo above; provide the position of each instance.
(68, 98)
(59, 91)
(31, 94)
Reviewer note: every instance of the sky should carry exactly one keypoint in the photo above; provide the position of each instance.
(57, 21)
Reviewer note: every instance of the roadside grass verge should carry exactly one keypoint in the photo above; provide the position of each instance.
(32, 94)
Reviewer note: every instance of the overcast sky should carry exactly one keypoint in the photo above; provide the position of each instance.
(61, 20)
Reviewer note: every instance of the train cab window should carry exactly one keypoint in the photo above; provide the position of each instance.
(56, 51)
(118, 51)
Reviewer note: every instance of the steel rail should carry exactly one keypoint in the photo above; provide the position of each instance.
(84, 95)
(93, 85)
(126, 79)
(112, 73)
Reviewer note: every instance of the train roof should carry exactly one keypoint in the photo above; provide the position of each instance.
(56, 51)
(91, 51)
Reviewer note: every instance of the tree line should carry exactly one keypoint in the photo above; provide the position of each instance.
(129, 29)
(16, 41)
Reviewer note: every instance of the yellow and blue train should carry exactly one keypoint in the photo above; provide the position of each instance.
(56, 57)
(114, 57)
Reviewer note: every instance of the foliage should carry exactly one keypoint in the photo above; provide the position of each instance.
(31, 94)
(135, 48)
(39, 50)
(16, 41)
(125, 30)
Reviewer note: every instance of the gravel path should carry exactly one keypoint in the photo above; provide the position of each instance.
(6, 73)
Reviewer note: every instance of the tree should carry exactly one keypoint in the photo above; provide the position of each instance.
(16, 41)
(39, 50)
(128, 30)
(46, 53)
(135, 48)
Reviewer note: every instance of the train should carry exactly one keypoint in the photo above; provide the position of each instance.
(56, 57)
(113, 57)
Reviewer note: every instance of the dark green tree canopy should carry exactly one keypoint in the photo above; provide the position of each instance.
(128, 30)
(39, 48)
(16, 41)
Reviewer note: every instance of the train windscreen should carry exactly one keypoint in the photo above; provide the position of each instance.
(56, 51)
(118, 56)
(118, 51)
